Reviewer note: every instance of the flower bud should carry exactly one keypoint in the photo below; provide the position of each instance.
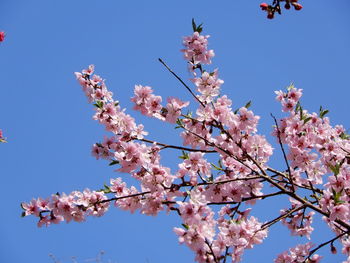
(333, 249)
(297, 6)
(2, 36)
(287, 5)
(270, 15)
(264, 6)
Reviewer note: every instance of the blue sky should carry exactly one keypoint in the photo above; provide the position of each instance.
(47, 121)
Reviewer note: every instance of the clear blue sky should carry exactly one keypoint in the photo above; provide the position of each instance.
(48, 123)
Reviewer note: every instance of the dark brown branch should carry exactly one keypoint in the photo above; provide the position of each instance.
(284, 153)
(182, 82)
(247, 199)
(177, 147)
(122, 197)
(313, 188)
(211, 250)
(277, 219)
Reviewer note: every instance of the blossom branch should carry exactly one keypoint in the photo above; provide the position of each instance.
(324, 244)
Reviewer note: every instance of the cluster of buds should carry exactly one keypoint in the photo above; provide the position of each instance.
(276, 7)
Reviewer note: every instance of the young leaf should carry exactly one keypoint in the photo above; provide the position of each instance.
(194, 26)
(114, 162)
(344, 136)
(307, 119)
(322, 112)
(216, 167)
(186, 226)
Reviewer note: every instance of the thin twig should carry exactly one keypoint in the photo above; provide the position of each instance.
(277, 219)
(211, 249)
(177, 147)
(182, 82)
(122, 197)
(284, 153)
(247, 199)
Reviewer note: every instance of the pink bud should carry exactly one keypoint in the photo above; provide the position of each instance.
(270, 15)
(333, 249)
(2, 36)
(297, 6)
(287, 6)
(264, 6)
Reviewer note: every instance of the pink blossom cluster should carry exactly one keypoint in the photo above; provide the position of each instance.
(199, 224)
(314, 151)
(241, 233)
(299, 223)
(298, 254)
(290, 98)
(150, 105)
(108, 111)
(208, 85)
(62, 207)
(196, 49)
(317, 149)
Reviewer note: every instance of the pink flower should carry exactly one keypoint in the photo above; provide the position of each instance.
(173, 108)
(196, 49)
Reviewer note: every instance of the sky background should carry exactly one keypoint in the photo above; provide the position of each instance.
(47, 120)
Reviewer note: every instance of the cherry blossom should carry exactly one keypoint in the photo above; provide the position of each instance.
(224, 167)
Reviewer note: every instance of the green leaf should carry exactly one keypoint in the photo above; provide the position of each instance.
(216, 167)
(106, 189)
(307, 119)
(114, 162)
(23, 214)
(335, 168)
(322, 112)
(179, 122)
(185, 226)
(194, 26)
(336, 196)
(199, 28)
(99, 104)
(219, 163)
(291, 86)
(184, 155)
(248, 104)
(297, 107)
(344, 136)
